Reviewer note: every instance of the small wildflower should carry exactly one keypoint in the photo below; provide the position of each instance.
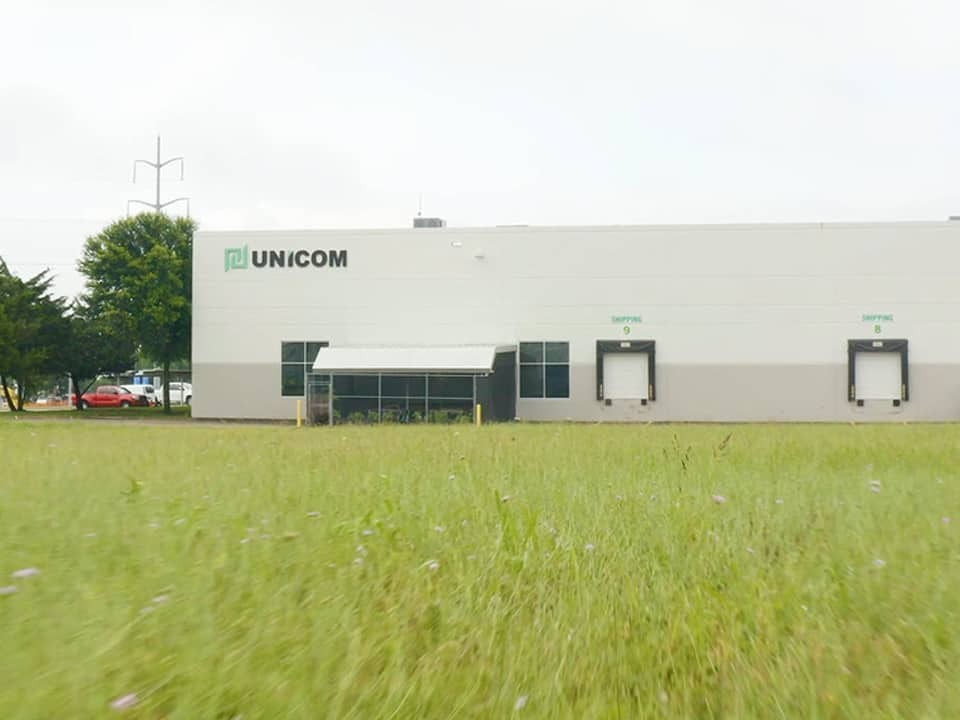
(179, 521)
(153, 525)
(439, 528)
(750, 550)
(451, 477)
(358, 561)
(125, 702)
(779, 501)
(506, 498)
(160, 599)
(521, 703)
(8, 589)
(433, 566)
(619, 498)
(471, 557)
(361, 551)
(25, 573)
(367, 533)
(879, 563)
(719, 499)
(589, 547)
(875, 486)
(313, 514)
(946, 520)
(245, 541)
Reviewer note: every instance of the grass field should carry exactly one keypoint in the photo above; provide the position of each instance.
(548, 571)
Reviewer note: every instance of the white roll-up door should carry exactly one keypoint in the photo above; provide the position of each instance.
(625, 376)
(877, 376)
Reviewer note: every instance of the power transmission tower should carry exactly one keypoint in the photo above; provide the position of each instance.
(158, 166)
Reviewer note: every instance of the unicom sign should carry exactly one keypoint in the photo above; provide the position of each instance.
(241, 258)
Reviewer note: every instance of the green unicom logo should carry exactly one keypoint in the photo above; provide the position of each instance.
(236, 258)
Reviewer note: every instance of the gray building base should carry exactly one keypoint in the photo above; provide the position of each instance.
(685, 393)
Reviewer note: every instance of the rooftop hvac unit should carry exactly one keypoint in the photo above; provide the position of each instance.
(422, 222)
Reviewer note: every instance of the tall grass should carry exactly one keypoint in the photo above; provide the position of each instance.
(530, 571)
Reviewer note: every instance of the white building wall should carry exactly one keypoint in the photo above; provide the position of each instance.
(751, 322)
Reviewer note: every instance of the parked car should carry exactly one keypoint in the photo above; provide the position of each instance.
(111, 396)
(146, 391)
(181, 393)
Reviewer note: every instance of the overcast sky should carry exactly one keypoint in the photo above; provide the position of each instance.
(340, 114)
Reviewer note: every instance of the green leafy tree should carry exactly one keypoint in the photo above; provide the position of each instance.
(33, 330)
(139, 270)
(96, 344)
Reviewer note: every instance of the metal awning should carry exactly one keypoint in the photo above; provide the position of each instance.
(476, 359)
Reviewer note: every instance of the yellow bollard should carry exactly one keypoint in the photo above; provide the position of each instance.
(479, 414)
(299, 412)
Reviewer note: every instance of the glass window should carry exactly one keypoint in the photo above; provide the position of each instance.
(544, 369)
(531, 381)
(291, 352)
(531, 352)
(557, 381)
(296, 359)
(291, 379)
(557, 352)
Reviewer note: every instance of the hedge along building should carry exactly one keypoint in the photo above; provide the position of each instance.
(795, 322)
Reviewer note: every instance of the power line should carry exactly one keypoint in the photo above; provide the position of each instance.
(158, 166)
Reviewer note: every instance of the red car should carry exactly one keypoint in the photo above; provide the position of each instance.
(111, 396)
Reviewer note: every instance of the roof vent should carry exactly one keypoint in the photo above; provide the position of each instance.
(422, 222)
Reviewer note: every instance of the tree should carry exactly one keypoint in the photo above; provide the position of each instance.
(32, 332)
(95, 344)
(139, 269)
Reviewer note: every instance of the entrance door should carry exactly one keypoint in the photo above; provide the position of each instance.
(878, 376)
(626, 376)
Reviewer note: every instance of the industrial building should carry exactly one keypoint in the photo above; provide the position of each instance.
(792, 322)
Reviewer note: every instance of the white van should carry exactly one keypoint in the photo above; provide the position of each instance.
(181, 393)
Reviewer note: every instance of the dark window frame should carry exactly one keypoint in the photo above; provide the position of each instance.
(605, 347)
(542, 364)
(874, 345)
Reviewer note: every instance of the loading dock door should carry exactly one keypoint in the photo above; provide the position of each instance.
(625, 376)
(878, 376)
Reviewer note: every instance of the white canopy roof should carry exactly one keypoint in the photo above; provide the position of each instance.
(459, 359)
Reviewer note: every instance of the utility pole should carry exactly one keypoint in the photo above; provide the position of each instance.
(158, 166)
